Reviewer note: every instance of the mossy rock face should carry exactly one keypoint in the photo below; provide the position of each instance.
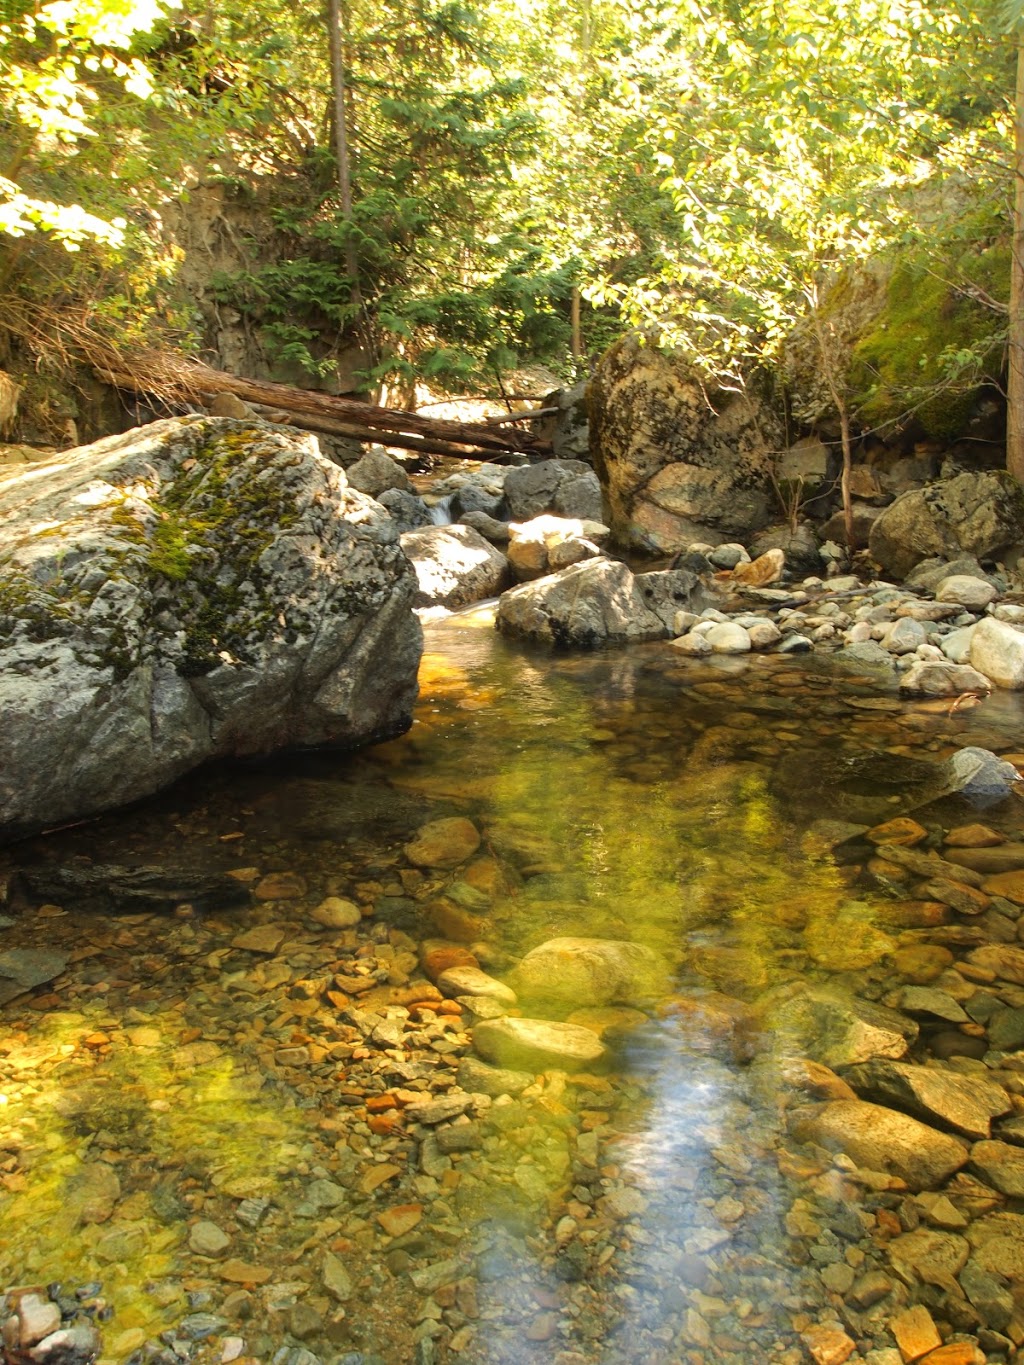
(899, 363)
(975, 514)
(678, 462)
(194, 588)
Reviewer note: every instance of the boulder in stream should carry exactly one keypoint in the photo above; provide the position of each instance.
(194, 589)
(455, 566)
(598, 602)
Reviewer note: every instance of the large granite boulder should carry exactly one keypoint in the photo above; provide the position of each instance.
(678, 463)
(975, 514)
(192, 589)
(454, 566)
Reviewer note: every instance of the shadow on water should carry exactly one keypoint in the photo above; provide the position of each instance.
(171, 1078)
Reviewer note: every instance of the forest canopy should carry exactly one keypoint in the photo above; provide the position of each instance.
(523, 179)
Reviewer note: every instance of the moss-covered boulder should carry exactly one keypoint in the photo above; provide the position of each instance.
(196, 588)
(678, 462)
(974, 514)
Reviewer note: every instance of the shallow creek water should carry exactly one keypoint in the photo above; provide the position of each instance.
(169, 1080)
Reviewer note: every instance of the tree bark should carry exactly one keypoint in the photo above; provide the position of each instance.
(341, 138)
(844, 483)
(576, 341)
(1015, 376)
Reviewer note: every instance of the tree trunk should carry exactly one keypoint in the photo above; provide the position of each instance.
(341, 140)
(576, 341)
(844, 483)
(1015, 377)
(361, 419)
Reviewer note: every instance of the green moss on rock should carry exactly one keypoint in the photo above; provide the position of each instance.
(907, 360)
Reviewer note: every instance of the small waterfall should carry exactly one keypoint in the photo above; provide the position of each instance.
(440, 512)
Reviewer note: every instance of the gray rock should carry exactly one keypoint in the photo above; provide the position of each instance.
(582, 607)
(207, 1239)
(929, 678)
(535, 489)
(377, 472)
(481, 1079)
(570, 439)
(210, 588)
(997, 650)
(980, 775)
(966, 1103)
(336, 1278)
(989, 1294)
(407, 511)
(667, 592)
(23, 968)
(454, 566)
(973, 593)
(495, 531)
(981, 514)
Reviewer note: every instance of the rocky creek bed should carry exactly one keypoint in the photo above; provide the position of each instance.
(265, 1103)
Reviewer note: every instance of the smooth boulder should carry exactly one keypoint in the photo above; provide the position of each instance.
(880, 1139)
(205, 588)
(537, 1044)
(568, 973)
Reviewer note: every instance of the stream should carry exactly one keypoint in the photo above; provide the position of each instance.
(248, 1134)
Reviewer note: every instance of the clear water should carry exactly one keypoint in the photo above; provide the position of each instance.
(641, 1215)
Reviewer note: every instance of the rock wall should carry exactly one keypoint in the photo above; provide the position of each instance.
(192, 589)
(677, 463)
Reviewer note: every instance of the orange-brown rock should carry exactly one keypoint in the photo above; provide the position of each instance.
(954, 1353)
(451, 921)
(1007, 884)
(915, 1333)
(913, 914)
(815, 1079)
(902, 830)
(828, 1345)
(436, 957)
(765, 569)
(973, 836)
(443, 843)
(401, 1219)
(280, 886)
(920, 963)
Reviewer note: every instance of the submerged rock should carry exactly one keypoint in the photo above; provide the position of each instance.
(205, 588)
(883, 1140)
(573, 972)
(537, 1044)
(839, 1030)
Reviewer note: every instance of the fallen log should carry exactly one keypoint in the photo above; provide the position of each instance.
(424, 445)
(191, 378)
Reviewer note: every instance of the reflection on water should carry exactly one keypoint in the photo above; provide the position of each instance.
(171, 1082)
